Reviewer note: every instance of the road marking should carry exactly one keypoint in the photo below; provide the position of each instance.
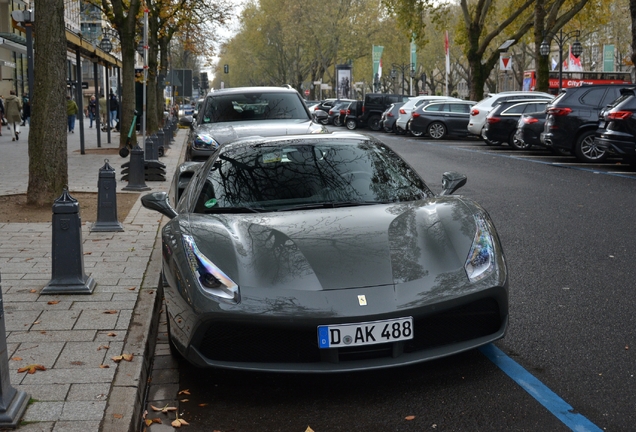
(546, 397)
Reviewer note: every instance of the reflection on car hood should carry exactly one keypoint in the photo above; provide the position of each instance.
(338, 248)
(226, 132)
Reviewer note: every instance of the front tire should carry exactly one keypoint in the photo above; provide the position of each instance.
(436, 130)
(351, 124)
(586, 150)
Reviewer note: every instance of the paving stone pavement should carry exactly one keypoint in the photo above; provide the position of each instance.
(75, 336)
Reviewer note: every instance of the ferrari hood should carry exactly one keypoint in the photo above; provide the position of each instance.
(340, 248)
(226, 132)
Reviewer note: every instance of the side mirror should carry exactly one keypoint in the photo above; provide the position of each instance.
(186, 121)
(451, 181)
(158, 201)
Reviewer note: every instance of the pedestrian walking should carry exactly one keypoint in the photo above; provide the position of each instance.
(26, 112)
(71, 112)
(113, 107)
(13, 106)
(92, 110)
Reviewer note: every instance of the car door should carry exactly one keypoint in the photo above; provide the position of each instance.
(457, 116)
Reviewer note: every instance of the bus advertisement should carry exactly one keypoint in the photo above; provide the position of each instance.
(576, 79)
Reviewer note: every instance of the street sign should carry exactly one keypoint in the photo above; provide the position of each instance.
(306, 92)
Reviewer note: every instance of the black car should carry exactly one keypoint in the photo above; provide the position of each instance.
(323, 107)
(572, 120)
(337, 111)
(233, 113)
(353, 115)
(374, 105)
(529, 130)
(616, 133)
(389, 117)
(501, 121)
(440, 119)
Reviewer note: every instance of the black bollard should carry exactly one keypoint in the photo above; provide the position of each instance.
(136, 177)
(161, 142)
(150, 149)
(67, 251)
(13, 402)
(107, 201)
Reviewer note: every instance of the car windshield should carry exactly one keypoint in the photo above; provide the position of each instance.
(302, 174)
(254, 106)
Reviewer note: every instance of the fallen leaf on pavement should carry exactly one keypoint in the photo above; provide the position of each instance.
(132, 288)
(164, 410)
(179, 422)
(203, 404)
(103, 366)
(33, 291)
(101, 347)
(186, 392)
(52, 302)
(16, 358)
(112, 312)
(309, 429)
(127, 357)
(411, 417)
(184, 400)
(111, 334)
(118, 416)
(31, 368)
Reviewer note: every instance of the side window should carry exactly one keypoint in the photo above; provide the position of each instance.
(593, 97)
(515, 109)
(374, 100)
(459, 108)
(434, 107)
(612, 94)
(392, 99)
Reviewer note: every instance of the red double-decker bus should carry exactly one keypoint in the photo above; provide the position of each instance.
(576, 79)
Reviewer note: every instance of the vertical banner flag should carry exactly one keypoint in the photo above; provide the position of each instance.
(608, 58)
(377, 61)
(574, 63)
(447, 51)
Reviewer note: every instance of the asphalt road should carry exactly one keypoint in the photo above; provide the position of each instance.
(567, 232)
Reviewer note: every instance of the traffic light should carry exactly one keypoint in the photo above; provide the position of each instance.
(226, 68)
(203, 77)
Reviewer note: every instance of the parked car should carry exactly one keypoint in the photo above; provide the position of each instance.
(374, 105)
(401, 124)
(353, 118)
(480, 110)
(326, 253)
(529, 130)
(323, 106)
(336, 112)
(440, 119)
(502, 120)
(573, 118)
(237, 112)
(616, 133)
(186, 110)
(389, 116)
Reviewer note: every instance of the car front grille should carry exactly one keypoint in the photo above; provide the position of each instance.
(240, 342)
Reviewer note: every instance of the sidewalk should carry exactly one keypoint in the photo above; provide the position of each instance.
(75, 336)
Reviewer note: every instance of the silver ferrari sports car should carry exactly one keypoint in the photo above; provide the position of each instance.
(325, 253)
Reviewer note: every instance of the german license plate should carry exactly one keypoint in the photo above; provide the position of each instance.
(366, 333)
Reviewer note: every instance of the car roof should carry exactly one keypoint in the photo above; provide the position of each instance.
(241, 90)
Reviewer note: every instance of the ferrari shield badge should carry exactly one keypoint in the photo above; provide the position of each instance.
(362, 299)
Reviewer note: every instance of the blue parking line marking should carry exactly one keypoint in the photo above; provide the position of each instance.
(546, 397)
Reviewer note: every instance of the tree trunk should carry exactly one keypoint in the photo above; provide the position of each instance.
(48, 158)
(632, 9)
(542, 64)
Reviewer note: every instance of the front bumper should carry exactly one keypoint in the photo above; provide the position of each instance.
(290, 344)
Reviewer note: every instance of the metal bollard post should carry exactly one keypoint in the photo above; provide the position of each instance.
(136, 177)
(67, 251)
(106, 201)
(161, 147)
(13, 402)
(150, 148)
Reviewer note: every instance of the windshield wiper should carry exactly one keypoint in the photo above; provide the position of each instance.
(235, 210)
(330, 204)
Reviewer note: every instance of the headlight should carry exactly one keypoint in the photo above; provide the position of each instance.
(204, 142)
(480, 261)
(210, 278)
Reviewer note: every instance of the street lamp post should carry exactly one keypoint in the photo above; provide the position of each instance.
(403, 68)
(561, 38)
